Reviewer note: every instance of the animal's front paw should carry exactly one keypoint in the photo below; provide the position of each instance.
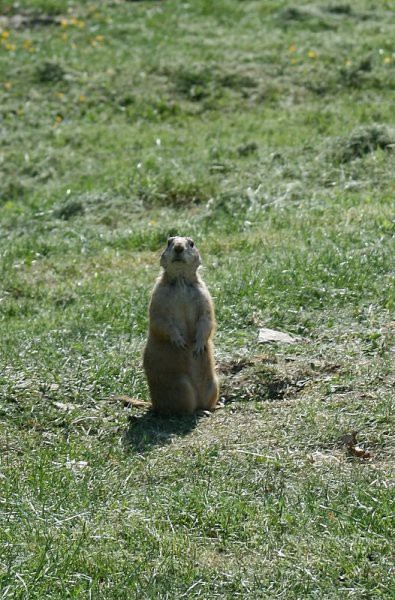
(199, 348)
(179, 342)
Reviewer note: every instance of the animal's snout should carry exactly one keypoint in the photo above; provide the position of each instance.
(178, 248)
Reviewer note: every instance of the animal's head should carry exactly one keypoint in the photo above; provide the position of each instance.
(180, 257)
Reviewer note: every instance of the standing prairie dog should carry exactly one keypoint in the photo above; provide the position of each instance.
(178, 356)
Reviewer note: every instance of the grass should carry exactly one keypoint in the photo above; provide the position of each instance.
(264, 131)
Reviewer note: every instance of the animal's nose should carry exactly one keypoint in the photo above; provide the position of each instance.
(178, 248)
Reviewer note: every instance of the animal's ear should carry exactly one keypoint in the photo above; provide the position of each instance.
(191, 242)
(169, 240)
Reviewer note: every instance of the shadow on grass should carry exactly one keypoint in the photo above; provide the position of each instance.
(150, 430)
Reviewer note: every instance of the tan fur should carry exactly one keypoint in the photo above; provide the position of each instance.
(178, 356)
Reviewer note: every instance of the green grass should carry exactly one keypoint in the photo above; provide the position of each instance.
(265, 131)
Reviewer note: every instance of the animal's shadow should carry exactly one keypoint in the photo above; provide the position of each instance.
(150, 430)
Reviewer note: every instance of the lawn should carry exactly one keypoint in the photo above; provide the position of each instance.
(264, 130)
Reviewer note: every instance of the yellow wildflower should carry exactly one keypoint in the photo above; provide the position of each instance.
(64, 23)
(387, 60)
(312, 54)
(7, 85)
(27, 44)
(5, 35)
(58, 119)
(10, 47)
(292, 48)
(82, 98)
(99, 38)
(77, 22)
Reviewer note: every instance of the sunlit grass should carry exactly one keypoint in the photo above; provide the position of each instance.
(264, 131)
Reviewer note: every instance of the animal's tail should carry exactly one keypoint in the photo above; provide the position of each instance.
(130, 402)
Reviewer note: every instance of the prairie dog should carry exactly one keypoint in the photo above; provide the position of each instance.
(178, 356)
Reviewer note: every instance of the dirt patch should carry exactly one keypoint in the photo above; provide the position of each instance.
(246, 380)
(264, 378)
(235, 366)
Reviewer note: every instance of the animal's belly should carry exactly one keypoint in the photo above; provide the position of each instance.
(160, 355)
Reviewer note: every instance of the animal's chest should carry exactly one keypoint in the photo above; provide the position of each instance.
(186, 307)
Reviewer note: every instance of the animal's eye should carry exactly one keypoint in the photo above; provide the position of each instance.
(191, 243)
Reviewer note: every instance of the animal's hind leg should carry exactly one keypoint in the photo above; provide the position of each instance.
(211, 397)
(178, 397)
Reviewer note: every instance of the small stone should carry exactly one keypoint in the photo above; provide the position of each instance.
(268, 336)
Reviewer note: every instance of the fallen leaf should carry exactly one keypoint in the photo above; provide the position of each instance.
(359, 452)
(350, 441)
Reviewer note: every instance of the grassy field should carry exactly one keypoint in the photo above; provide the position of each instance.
(264, 130)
